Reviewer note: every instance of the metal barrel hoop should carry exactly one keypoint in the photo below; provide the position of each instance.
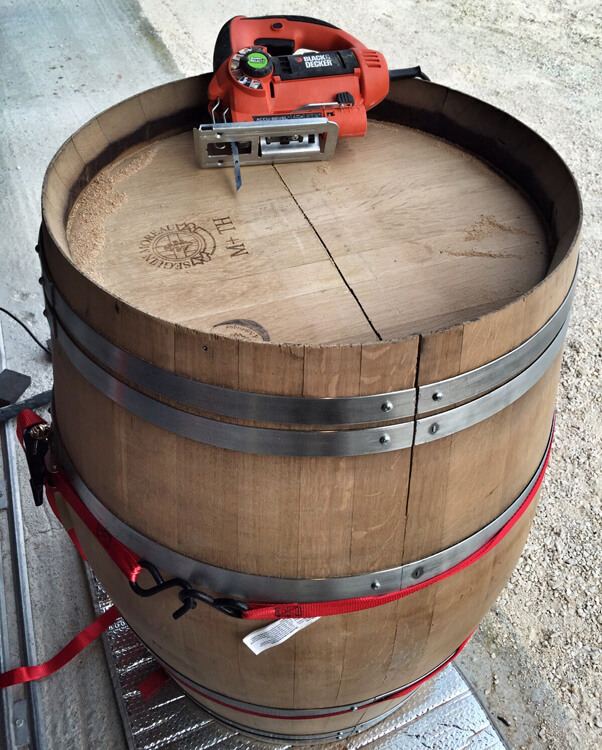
(285, 442)
(73, 334)
(237, 587)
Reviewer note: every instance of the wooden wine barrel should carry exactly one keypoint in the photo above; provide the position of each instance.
(334, 384)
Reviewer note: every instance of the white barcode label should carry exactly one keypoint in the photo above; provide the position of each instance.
(275, 633)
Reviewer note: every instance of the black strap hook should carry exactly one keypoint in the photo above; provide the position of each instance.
(188, 596)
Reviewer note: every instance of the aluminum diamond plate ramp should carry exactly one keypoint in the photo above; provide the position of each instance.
(443, 714)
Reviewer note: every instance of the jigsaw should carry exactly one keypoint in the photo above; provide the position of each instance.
(284, 89)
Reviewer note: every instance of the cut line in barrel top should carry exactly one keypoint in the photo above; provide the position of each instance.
(343, 252)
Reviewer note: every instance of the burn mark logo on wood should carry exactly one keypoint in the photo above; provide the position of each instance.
(177, 246)
(225, 226)
(242, 329)
(187, 244)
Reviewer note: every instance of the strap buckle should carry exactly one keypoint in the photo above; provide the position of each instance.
(188, 596)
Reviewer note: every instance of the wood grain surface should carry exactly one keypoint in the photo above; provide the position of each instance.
(398, 234)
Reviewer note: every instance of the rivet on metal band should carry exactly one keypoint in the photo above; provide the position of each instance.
(470, 384)
(269, 589)
(461, 417)
(289, 442)
(235, 437)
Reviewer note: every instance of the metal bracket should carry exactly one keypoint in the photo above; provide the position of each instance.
(280, 140)
(12, 410)
(21, 723)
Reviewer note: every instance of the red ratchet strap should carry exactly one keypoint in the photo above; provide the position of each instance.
(383, 699)
(128, 563)
(120, 554)
(27, 418)
(124, 558)
(153, 683)
(72, 649)
(342, 606)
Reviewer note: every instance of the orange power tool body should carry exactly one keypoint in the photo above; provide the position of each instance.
(271, 100)
(258, 74)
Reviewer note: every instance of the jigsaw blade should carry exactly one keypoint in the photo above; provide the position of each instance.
(236, 160)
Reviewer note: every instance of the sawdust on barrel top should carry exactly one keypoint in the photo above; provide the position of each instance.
(486, 226)
(86, 225)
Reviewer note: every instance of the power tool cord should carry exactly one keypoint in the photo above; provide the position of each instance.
(401, 73)
(22, 324)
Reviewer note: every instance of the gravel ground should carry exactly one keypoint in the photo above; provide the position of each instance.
(535, 659)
